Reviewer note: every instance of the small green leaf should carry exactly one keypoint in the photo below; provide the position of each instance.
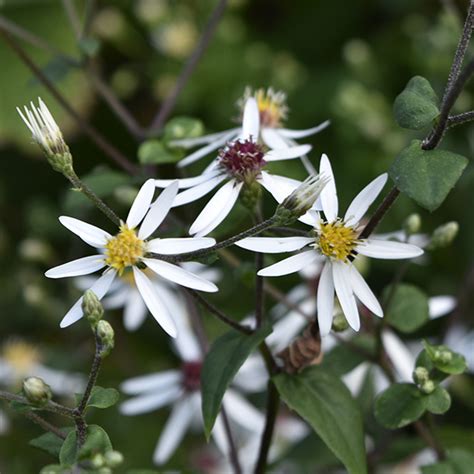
(399, 405)
(454, 364)
(68, 452)
(427, 176)
(327, 405)
(183, 127)
(20, 407)
(408, 307)
(49, 442)
(438, 468)
(153, 152)
(439, 401)
(103, 397)
(417, 105)
(458, 461)
(97, 441)
(224, 359)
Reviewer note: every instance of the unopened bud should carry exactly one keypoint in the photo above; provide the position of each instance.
(444, 235)
(105, 333)
(97, 460)
(443, 356)
(300, 200)
(412, 224)
(92, 308)
(428, 387)
(113, 458)
(250, 194)
(37, 391)
(339, 323)
(421, 375)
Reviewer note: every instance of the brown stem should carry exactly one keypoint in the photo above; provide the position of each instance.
(40, 421)
(233, 455)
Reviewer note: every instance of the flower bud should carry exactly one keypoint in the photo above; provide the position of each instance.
(428, 387)
(300, 200)
(113, 458)
(105, 333)
(250, 194)
(444, 235)
(412, 224)
(443, 356)
(421, 375)
(92, 308)
(97, 460)
(37, 391)
(339, 322)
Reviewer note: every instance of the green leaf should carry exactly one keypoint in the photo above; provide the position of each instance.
(417, 105)
(455, 364)
(224, 359)
(439, 401)
(427, 176)
(49, 442)
(408, 307)
(97, 441)
(458, 461)
(183, 127)
(438, 468)
(399, 405)
(326, 404)
(103, 397)
(20, 407)
(68, 452)
(154, 152)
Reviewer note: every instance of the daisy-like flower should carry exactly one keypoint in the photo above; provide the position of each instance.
(240, 163)
(336, 243)
(127, 252)
(180, 388)
(272, 112)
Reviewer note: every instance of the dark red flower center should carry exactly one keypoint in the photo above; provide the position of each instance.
(242, 159)
(191, 375)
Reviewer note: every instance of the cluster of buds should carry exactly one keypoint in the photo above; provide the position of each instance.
(412, 224)
(37, 391)
(92, 308)
(421, 377)
(443, 235)
(104, 463)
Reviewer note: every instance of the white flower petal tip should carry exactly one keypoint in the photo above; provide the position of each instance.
(288, 153)
(251, 120)
(389, 250)
(90, 234)
(79, 267)
(304, 133)
(289, 265)
(274, 244)
(141, 204)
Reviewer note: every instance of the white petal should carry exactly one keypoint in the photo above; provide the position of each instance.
(251, 376)
(134, 312)
(178, 275)
(329, 199)
(81, 266)
(141, 204)
(179, 245)
(364, 200)
(90, 234)
(250, 120)
(287, 328)
(197, 192)
(100, 288)
(242, 412)
(441, 305)
(387, 249)
(291, 264)
(151, 401)
(186, 182)
(402, 359)
(175, 428)
(211, 215)
(325, 300)
(153, 302)
(363, 292)
(274, 244)
(191, 142)
(287, 153)
(278, 186)
(156, 382)
(342, 285)
(158, 211)
(304, 133)
(272, 139)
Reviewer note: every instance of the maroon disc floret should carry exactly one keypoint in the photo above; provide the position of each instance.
(192, 375)
(242, 159)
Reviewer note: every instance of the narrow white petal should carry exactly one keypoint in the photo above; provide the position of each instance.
(81, 266)
(325, 300)
(141, 204)
(364, 200)
(191, 142)
(387, 249)
(441, 305)
(178, 275)
(156, 382)
(90, 234)
(251, 376)
(211, 215)
(158, 211)
(272, 139)
(342, 285)
(274, 244)
(186, 182)
(329, 199)
(402, 359)
(197, 192)
(304, 133)
(175, 428)
(179, 245)
(134, 311)
(151, 401)
(363, 292)
(153, 302)
(287, 328)
(250, 120)
(287, 153)
(278, 186)
(220, 438)
(100, 288)
(291, 264)
(242, 412)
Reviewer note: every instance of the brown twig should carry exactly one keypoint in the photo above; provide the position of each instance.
(46, 425)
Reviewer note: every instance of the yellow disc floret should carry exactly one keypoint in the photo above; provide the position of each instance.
(124, 250)
(272, 107)
(336, 240)
(20, 355)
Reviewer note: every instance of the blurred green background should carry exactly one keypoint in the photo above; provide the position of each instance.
(343, 61)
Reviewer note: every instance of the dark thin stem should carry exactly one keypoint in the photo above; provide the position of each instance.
(88, 16)
(218, 313)
(169, 103)
(426, 432)
(233, 455)
(35, 418)
(72, 16)
(99, 140)
(273, 405)
(459, 119)
(290, 231)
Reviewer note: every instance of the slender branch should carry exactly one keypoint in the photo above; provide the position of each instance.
(72, 16)
(188, 69)
(35, 418)
(233, 455)
(88, 16)
(426, 431)
(454, 120)
(99, 140)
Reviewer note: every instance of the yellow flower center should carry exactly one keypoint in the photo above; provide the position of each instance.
(335, 240)
(272, 107)
(20, 355)
(124, 250)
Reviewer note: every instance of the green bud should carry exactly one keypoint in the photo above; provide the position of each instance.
(105, 333)
(428, 387)
(421, 375)
(37, 391)
(250, 194)
(444, 235)
(339, 322)
(97, 460)
(444, 356)
(113, 458)
(92, 308)
(61, 162)
(412, 224)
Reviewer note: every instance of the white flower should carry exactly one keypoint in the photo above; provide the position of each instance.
(127, 251)
(272, 111)
(181, 390)
(240, 163)
(335, 243)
